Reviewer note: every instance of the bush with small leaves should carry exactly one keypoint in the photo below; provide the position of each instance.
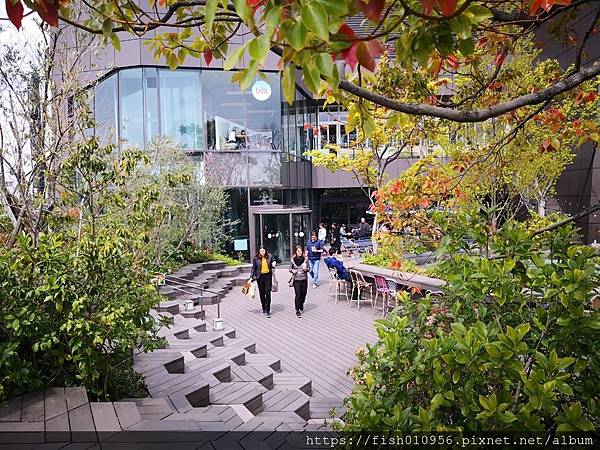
(514, 346)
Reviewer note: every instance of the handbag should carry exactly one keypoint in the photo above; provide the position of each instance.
(291, 281)
(252, 290)
(246, 287)
(274, 283)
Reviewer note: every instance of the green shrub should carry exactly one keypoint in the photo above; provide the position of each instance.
(514, 347)
(68, 307)
(399, 263)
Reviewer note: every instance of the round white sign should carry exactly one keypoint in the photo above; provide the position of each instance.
(261, 90)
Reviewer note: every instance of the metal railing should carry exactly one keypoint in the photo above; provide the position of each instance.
(183, 285)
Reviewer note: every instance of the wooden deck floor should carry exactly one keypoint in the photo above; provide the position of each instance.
(321, 345)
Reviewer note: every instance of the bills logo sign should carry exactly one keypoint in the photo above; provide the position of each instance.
(261, 90)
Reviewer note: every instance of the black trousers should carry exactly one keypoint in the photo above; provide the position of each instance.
(300, 288)
(264, 289)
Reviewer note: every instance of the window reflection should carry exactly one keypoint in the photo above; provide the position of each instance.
(239, 120)
(180, 107)
(131, 106)
(105, 110)
(151, 110)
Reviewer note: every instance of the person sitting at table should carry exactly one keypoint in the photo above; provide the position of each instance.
(231, 138)
(332, 262)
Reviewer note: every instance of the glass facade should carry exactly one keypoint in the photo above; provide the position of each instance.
(250, 141)
(131, 107)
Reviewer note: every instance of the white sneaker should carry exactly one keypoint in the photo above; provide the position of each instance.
(314, 285)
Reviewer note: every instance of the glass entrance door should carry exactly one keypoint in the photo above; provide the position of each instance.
(276, 235)
(300, 229)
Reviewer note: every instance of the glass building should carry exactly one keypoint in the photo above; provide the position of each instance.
(250, 142)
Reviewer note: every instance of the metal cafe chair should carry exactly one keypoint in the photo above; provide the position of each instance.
(381, 290)
(337, 286)
(436, 297)
(360, 284)
(392, 302)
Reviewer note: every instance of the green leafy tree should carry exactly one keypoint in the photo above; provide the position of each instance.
(191, 207)
(75, 302)
(512, 346)
(310, 36)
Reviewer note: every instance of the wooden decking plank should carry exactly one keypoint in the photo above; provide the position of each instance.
(82, 423)
(55, 402)
(128, 414)
(303, 368)
(76, 396)
(11, 411)
(105, 417)
(266, 338)
(33, 407)
(335, 338)
(57, 428)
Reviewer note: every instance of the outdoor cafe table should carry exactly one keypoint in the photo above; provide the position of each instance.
(403, 278)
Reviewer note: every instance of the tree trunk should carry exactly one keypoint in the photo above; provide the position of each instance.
(541, 209)
(374, 233)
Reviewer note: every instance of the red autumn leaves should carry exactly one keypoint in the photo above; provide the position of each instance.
(446, 7)
(46, 9)
(364, 53)
(546, 5)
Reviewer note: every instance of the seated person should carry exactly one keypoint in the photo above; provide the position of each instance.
(231, 139)
(332, 262)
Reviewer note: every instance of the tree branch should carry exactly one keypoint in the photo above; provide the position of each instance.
(561, 223)
(478, 115)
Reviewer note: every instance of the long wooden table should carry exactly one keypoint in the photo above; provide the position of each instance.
(409, 279)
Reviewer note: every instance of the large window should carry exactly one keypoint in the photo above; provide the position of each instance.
(131, 107)
(241, 120)
(151, 110)
(105, 110)
(180, 110)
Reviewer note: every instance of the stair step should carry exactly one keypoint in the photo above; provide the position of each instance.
(170, 307)
(264, 359)
(213, 265)
(287, 401)
(261, 374)
(248, 394)
(288, 381)
(194, 314)
(320, 407)
(146, 363)
(151, 407)
(191, 385)
(215, 371)
(240, 280)
(127, 413)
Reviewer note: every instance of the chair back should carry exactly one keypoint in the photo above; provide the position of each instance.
(353, 277)
(380, 283)
(392, 286)
(333, 273)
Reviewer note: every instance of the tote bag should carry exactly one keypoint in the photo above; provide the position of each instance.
(274, 283)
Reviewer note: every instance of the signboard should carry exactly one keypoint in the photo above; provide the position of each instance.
(240, 245)
(261, 90)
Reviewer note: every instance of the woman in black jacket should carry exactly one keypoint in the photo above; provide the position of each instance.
(299, 270)
(262, 272)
